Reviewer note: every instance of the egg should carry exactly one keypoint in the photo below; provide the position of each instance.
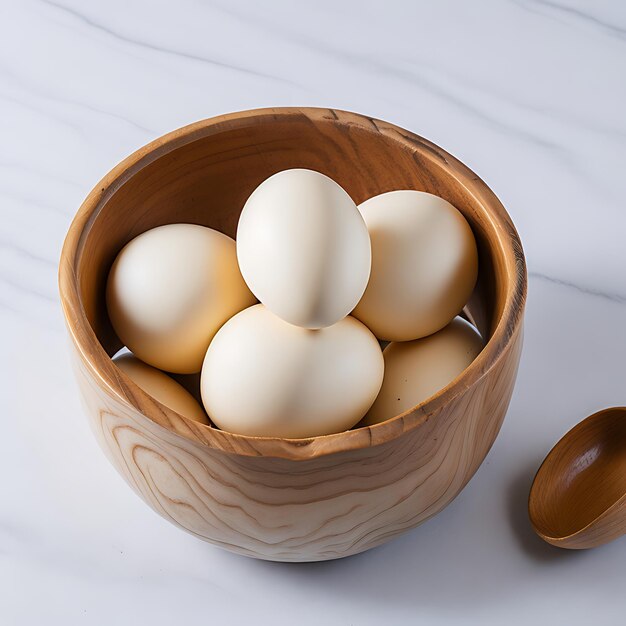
(416, 370)
(424, 265)
(161, 387)
(169, 291)
(265, 377)
(303, 248)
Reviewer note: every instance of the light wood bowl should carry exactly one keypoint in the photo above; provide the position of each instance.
(289, 499)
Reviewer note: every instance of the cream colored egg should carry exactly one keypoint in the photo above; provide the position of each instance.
(161, 387)
(265, 377)
(169, 291)
(424, 265)
(416, 370)
(303, 248)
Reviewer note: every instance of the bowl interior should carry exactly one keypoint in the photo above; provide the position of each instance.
(203, 174)
(205, 177)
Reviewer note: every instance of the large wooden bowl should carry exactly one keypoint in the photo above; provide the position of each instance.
(289, 499)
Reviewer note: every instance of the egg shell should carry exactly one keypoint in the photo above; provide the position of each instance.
(424, 265)
(169, 291)
(416, 370)
(161, 387)
(265, 377)
(303, 248)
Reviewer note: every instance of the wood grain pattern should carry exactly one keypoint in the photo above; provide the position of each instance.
(578, 497)
(305, 499)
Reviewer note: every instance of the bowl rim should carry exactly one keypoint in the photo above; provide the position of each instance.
(108, 376)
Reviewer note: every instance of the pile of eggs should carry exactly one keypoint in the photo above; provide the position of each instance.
(286, 325)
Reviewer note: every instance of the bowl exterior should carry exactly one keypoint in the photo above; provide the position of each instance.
(327, 507)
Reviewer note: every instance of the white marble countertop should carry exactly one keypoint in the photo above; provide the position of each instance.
(531, 94)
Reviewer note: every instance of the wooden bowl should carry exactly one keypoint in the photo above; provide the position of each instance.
(289, 499)
(578, 497)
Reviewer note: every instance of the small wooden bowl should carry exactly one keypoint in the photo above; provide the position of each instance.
(289, 499)
(578, 497)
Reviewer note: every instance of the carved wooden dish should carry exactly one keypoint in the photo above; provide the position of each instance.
(578, 497)
(280, 499)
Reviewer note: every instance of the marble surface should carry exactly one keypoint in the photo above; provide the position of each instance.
(530, 94)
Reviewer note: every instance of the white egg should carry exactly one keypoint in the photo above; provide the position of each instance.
(424, 265)
(169, 291)
(161, 387)
(303, 248)
(265, 377)
(416, 370)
